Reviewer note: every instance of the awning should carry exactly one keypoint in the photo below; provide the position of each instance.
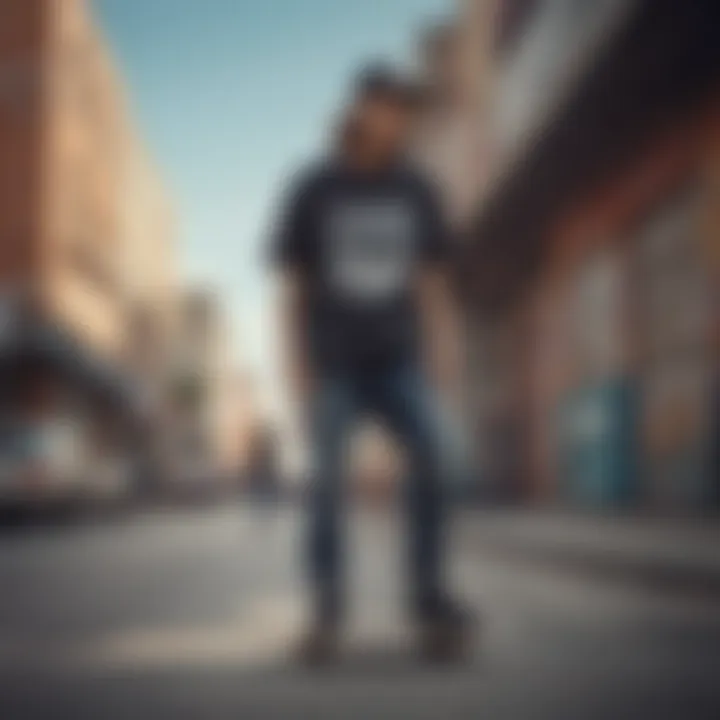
(664, 60)
(49, 345)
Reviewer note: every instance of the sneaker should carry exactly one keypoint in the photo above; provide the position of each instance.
(320, 645)
(446, 634)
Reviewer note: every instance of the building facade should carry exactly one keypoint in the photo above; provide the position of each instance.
(455, 144)
(209, 399)
(65, 269)
(454, 137)
(594, 280)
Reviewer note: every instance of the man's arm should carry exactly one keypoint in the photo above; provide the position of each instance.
(291, 255)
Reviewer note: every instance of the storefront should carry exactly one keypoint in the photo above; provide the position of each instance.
(592, 246)
(593, 421)
(69, 420)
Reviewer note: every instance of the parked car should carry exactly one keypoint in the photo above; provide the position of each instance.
(40, 466)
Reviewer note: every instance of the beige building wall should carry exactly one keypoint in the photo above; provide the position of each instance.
(82, 174)
(84, 220)
(204, 361)
(77, 198)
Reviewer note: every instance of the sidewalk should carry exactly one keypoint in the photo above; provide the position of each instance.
(668, 555)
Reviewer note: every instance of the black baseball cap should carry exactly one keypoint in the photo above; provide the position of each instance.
(382, 81)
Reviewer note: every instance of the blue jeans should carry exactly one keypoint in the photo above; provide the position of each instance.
(400, 398)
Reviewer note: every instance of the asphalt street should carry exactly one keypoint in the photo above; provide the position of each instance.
(193, 615)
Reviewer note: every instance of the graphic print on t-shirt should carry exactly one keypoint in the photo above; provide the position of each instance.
(370, 249)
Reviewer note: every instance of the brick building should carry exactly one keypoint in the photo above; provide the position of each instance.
(592, 271)
(64, 235)
(455, 144)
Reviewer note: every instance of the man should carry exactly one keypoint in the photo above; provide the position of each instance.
(369, 329)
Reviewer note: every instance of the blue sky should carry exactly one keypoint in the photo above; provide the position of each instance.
(230, 95)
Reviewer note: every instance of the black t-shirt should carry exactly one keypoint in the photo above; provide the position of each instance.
(359, 240)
